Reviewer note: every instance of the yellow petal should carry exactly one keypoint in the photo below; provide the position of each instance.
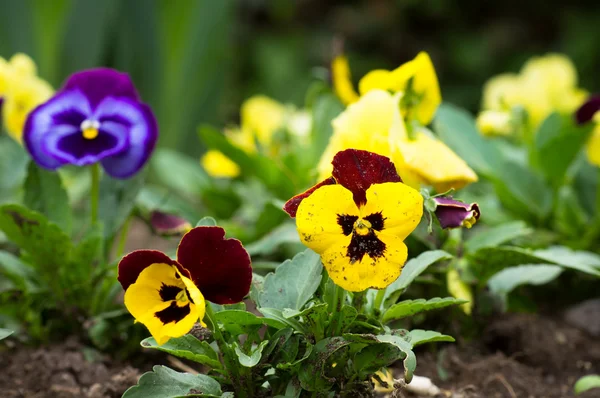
(494, 123)
(143, 301)
(400, 205)
(23, 65)
(433, 162)
(262, 116)
(379, 79)
(342, 80)
(460, 290)
(317, 217)
(502, 92)
(218, 165)
(21, 98)
(593, 147)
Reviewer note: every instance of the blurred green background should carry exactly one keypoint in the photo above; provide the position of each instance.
(195, 61)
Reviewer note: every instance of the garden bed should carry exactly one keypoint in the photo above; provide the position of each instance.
(519, 356)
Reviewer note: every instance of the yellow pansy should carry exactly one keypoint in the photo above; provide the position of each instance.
(492, 123)
(262, 116)
(375, 124)
(165, 301)
(416, 80)
(361, 246)
(218, 165)
(593, 147)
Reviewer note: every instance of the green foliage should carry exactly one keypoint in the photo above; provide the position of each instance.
(4, 333)
(408, 308)
(188, 347)
(587, 383)
(497, 235)
(503, 282)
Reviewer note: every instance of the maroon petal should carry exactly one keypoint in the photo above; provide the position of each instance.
(100, 83)
(219, 267)
(452, 213)
(357, 170)
(168, 224)
(291, 206)
(586, 112)
(135, 262)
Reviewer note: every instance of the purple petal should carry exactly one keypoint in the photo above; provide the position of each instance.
(587, 111)
(49, 119)
(143, 133)
(100, 83)
(452, 213)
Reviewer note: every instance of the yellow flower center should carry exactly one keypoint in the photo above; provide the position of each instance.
(182, 296)
(469, 222)
(362, 227)
(89, 129)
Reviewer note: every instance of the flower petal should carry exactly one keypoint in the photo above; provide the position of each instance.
(291, 206)
(452, 213)
(42, 122)
(142, 131)
(135, 262)
(587, 111)
(342, 80)
(219, 267)
(168, 224)
(593, 147)
(100, 83)
(400, 205)
(321, 217)
(218, 165)
(357, 170)
(371, 271)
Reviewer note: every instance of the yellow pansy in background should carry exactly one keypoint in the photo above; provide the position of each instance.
(261, 119)
(593, 146)
(544, 85)
(416, 81)
(492, 123)
(375, 124)
(459, 289)
(21, 91)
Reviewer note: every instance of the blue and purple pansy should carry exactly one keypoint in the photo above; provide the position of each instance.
(96, 117)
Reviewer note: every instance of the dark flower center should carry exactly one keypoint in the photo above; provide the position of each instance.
(363, 241)
(173, 313)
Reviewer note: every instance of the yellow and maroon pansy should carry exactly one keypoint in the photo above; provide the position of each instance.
(359, 223)
(168, 296)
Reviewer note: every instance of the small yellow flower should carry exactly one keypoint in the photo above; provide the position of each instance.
(375, 124)
(416, 80)
(262, 117)
(218, 165)
(491, 123)
(361, 246)
(21, 98)
(165, 301)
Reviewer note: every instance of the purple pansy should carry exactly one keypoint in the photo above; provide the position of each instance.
(453, 213)
(96, 117)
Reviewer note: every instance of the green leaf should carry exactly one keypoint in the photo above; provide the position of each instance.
(88, 254)
(13, 167)
(268, 244)
(558, 141)
(325, 109)
(187, 347)
(45, 193)
(570, 218)
(179, 172)
(410, 361)
(313, 374)
(206, 222)
(253, 359)
(164, 382)
(315, 317)
(413, 268)
(293, 283)
(20, 273)
(576, 259)
(47, 245)
(586, 383)
(4, 333)
(496, 235)
(277, 314)
(408, 308)
(373, 357)
(117, 199)
(418, 337)
(457, 129)
(238, 322)
(509, 278)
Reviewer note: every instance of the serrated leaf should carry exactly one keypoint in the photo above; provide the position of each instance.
(253, 359)
(187, 347)
(206, 222)
(497, 235)
(164, 382)
(418, 337)
(45, 193)
(408, 308)
(576, 259)
(277, 314)
(293, 283)
(239, 322)
(373, 357)
(509, 278)
(4, 333)
(413, 268)
(410, 362)
(586, 383)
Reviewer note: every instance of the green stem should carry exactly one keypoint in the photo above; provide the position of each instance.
(339, 297)
(95, 192)
(358, 301)
(242, 384)
(378, 300)
(123, 237)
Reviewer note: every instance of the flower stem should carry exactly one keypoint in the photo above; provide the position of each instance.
(123, 237)
(378, 300)
(241, 384)
(95, 192)
(339, 297)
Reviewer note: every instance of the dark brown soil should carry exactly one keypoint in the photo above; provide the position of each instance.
(520, 355)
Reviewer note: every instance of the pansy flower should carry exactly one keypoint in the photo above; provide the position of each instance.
(590, 111)
(452, 213)
(168, 296)
(96, 117)
(358, 219)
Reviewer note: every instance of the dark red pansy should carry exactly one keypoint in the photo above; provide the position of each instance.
(135, 262)
(355, 170)
(586, 112)
(168, 224)
(291, 206)
(220, 267)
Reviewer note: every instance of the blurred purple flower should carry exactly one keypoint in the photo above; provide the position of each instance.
(455, 214)
(96, 117)
(169, 224)
(586, 112)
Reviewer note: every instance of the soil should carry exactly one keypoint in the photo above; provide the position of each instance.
(520, 355)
